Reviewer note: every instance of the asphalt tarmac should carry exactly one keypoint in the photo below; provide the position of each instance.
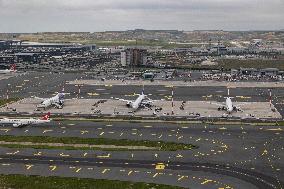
(229, 156)
(46, 85)
(237, 156)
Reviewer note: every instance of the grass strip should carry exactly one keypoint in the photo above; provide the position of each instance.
(35, 182)
(19, 146)
(160, 145)
(7, 101)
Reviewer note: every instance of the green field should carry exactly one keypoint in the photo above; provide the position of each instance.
(36, 182)
(160, 145)
(6, 101)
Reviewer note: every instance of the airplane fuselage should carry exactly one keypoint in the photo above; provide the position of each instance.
(6, 71)
(229, 105)
(51, 101)
(23, 122)
(136, 104)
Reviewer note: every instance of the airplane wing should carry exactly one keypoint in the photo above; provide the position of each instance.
(123, 100)
(242, 104)
(57, 105)
(151, 100)
(17, 124)
(38, 98)
(217, 104)
(239, 105)
(146, 102)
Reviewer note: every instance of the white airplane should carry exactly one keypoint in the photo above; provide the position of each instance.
(228, 106)
(26, 122)
(11, 70)
(57, 101)
(141, 102)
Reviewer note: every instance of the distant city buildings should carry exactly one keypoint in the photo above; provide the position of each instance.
(141, 48)
(134, 57)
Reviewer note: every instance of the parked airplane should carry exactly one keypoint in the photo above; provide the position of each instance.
(26, 122)
(141, 102)
(11, 70)
(228, 105)
(56, 101)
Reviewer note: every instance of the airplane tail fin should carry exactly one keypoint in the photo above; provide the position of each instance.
(13, 67)
(46, 117)
(61, 96)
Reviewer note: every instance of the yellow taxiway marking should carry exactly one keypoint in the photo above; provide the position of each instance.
(180, 178)
(78, 170)
(209, 96)
(179, 156)
(129, 173)
(13, 153)
(29, 167)
(84, 132)
(105, 170)
(45, 131)
(107, 156)
(244, 97)
(53, 167)
(38, 154)
(132, 95)
(155, 175)
(278, 129)
(206, 181)
(5, 130)
(160, 166)
(64, 155)
(197, 140)
(265, 152)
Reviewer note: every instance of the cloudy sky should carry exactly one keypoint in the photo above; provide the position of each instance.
(101, 15)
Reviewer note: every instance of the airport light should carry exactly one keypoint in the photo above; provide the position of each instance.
(270, 97)
(173, 101)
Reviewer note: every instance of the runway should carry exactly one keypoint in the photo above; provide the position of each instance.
(241, 153)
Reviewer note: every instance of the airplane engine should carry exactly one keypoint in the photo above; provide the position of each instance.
(61, 102)
(129, 105)
(16, 125)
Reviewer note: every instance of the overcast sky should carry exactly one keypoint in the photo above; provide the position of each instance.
(101, 15)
